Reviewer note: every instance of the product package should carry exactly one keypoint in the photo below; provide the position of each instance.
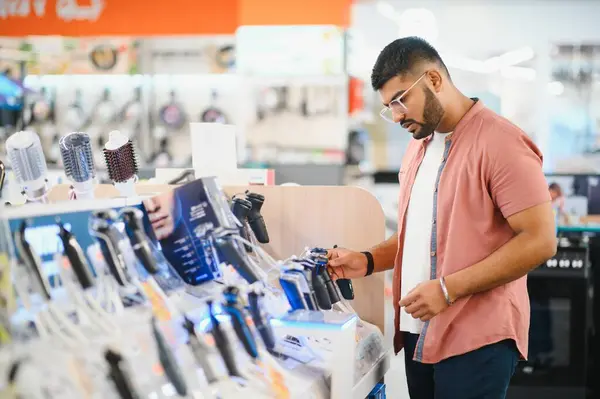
(182, 220)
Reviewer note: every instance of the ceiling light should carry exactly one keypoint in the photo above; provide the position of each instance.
(556, 88)
(464, 63)
(510, 58)
(517, 56)
(419, 22)
(522, 73)
(387, 10)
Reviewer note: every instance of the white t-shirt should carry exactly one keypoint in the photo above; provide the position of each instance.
(416, 260)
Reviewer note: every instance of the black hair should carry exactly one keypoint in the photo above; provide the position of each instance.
(556, 187)
(400, 57)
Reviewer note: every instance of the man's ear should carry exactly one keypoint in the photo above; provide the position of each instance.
(436, 79)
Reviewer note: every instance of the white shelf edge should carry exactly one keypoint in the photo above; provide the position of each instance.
(366, 384)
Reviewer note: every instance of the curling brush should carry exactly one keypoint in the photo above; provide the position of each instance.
(121, 163)
(78, 161)
(26, 157)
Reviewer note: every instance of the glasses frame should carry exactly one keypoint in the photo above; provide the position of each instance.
(398, 100)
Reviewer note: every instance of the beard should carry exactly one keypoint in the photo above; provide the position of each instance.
(432, 115)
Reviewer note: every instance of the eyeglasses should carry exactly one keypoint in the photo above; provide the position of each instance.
(396, 106)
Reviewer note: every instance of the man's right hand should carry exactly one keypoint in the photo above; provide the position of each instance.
(344, 263)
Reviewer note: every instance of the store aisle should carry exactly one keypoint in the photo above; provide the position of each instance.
(395, 378)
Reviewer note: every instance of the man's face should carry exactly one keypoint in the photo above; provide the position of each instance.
(422, 111)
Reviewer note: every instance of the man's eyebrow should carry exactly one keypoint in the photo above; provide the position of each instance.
(395, 96)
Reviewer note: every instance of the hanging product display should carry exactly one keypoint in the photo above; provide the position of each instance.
(213, 114)
(130, 115)
(172, 114)
(225, 57)
(104, 57)
(75, 118)
(105, 111)
(162, 157)
(42, 108)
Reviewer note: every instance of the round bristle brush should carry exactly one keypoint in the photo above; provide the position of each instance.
(78, 161)
(28, 163)
(121, 163)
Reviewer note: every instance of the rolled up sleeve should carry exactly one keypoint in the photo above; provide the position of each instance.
(517, 180)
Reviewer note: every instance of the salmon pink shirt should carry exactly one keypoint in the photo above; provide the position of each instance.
(490, 170)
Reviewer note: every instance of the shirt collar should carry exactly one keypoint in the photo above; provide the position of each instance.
(474, 110)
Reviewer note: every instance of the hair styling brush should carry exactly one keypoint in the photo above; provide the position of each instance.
(121, 162)
(78, 161)
(26, 157)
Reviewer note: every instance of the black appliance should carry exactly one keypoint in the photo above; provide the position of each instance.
(560, 333)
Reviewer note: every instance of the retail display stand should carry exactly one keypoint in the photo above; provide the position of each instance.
(300, 216)
(296, 216)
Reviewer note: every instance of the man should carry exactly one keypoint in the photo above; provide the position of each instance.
(474, 218)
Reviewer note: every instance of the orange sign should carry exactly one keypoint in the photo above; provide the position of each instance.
(161, 17)
(117, 17)
(305, 12)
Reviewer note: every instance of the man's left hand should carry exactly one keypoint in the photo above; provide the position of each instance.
(425, 301)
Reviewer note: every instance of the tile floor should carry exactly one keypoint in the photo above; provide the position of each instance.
(395, 379)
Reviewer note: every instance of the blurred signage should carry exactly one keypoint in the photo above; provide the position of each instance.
(194, 55)
(290, 50)
(118, 18)
(160, 17)
(63, 55)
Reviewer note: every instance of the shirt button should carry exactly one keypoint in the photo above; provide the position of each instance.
(432, 253)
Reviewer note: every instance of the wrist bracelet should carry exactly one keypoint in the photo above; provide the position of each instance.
(370, 263)
(445, 291)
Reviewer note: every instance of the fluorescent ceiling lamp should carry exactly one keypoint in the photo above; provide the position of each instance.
(510, 58)
(418, 22)
(422, 22)
(556, 88)
(522, 73)
(387, 10)
(465, 63)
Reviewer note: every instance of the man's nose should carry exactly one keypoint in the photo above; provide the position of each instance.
(398, 117)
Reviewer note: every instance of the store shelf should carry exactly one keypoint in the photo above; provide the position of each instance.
(368, 381)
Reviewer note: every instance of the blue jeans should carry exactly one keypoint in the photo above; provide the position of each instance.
(481, 374)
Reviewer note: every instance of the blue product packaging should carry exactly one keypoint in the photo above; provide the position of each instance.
(182, 219)
(378, 392)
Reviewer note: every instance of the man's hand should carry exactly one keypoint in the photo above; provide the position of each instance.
(344, 263)
(425, 301)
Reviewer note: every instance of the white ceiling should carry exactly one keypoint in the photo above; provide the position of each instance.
(482, 29)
